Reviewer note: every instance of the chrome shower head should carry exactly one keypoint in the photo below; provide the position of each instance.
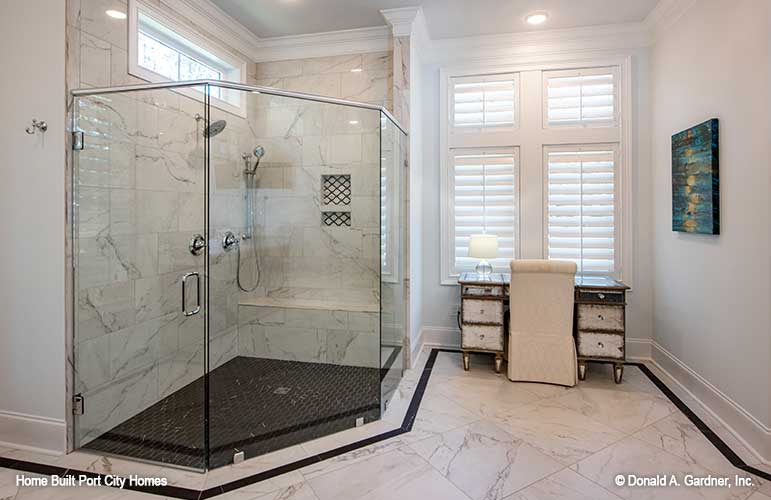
(215, 128)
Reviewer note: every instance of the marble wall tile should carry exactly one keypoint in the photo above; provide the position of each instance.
(157, 296)
(310, 318)
(367, 86)
(345, 148)
(92, 212)
(117, 402)
(223, 348)
(377, 61)
(326, 85)
(278, 69)
(106, 163)
(175, 372)
(94, 61)
(157, 211)
(352, 348)
(296, 344)
(334, 64)
(105, 309)
(364, 322)
(162, 170)
(122, 211)
(329, 241)
(93, 363)
(174, 254)
(94, 21)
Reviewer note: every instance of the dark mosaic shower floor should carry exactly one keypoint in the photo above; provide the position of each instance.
(256, 405)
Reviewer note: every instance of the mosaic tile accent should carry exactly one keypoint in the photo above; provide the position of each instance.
(256, 405)
(338, 219)
(336, 189)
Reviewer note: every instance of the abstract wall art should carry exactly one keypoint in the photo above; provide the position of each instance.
(695, 179)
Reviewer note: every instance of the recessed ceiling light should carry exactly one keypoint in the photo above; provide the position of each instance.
(356, 70)
(116, 14)
(537, 18)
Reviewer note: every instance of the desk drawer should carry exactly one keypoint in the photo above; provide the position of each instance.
(600, 345)
(486, 338)
(596, 317)
(482, 311)
(598, 296)
(483, 291)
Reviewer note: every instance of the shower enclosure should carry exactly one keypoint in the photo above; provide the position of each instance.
(238, 269)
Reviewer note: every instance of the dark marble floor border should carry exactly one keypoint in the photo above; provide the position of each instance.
(407, 423)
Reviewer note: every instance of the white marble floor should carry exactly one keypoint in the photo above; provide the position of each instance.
(477, 436)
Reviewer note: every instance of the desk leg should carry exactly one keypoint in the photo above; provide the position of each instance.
(618, 373)
(465, 360)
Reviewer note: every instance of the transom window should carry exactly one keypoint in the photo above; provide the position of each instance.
(161, 49)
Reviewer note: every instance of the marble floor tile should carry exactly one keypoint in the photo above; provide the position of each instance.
(677, 435)
(480, 365)
(561, 433)
(352, 457)
(487, 398)
(627, 412)
(564, 485)
(222, 475)
(632, 456)
(436, 415)
(485, 462)
(398, 475)
(600, 376)
(299, 491)
(8, 486)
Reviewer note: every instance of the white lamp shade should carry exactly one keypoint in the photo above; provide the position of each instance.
(483, 246)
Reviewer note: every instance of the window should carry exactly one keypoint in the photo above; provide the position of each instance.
(162, 50)
(549, 177)
(481, 102)
(581, 186)
(584, 97)
(485, 200)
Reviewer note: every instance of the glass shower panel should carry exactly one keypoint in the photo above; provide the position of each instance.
(392, 262)
(294, 342)
(138, 201)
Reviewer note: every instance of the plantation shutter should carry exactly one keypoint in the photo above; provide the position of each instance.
(581, 206)
(482, 102)
(485, 197)
(585, 98)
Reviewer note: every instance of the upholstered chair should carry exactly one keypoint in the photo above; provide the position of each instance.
(541, 346)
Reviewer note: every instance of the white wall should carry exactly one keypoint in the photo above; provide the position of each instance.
(711, 303)
(32, 204)
(440, 302)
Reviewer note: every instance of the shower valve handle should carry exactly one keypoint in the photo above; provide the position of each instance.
(229, 241)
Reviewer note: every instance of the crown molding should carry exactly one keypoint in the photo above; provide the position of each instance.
(401, 20)
(664, 15)
(205, 14)
(332, 43)
(558, 41)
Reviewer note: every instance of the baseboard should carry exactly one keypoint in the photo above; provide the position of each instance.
(753, 434)
(33, 433)
(638, 349)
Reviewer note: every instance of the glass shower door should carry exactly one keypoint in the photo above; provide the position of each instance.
(138, 227)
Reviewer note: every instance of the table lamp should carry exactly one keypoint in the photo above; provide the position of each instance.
(483, 246)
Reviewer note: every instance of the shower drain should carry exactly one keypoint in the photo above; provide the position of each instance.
(282, 390)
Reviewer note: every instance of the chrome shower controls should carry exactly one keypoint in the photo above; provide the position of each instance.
(197, 244)
(229, 241)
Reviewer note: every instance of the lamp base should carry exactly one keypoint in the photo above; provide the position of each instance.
(484, 269)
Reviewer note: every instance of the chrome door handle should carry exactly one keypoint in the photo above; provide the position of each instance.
(198, 298)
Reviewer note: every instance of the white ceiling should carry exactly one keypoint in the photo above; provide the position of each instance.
(445, 18)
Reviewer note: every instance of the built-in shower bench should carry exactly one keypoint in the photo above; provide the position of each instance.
(315, 304)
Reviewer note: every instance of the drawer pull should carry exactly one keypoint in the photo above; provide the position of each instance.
(601, 317)
(600, 345)
(601, 295)
(481, 311)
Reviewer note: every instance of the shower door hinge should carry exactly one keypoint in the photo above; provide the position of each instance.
(78, 404)
(77, 141)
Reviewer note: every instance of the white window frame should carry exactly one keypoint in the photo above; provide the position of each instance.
(531, 137)
(232, 68)
(617, 212)
(486, 78)
(614, 70)
(450, 258)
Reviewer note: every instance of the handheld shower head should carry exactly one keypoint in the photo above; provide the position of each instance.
(259, 152)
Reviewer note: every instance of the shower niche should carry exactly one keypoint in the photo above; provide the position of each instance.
(286, 325)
